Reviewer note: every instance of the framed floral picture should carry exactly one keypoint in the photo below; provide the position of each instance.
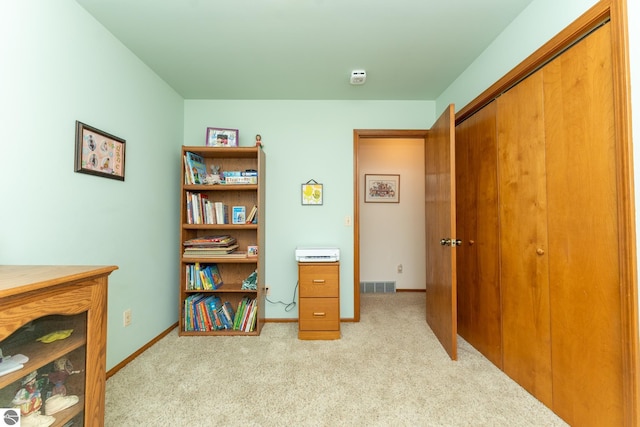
(382, 188)
(99, 153)
(311, 193)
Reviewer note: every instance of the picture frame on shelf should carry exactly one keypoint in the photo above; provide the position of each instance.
(221, 137)
(99, 153)
(238, 215)
(312, 193)
(382, 188)
(252, 251)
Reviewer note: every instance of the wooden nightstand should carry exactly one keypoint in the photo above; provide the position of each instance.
(319, 309)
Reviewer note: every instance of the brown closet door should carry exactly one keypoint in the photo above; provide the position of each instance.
(583, 229)
(440, 213)
(478, 284)
(524, 275)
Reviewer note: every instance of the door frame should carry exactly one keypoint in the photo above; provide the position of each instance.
(359, 134)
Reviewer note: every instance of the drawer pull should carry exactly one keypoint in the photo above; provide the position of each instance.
(318, 280)
(319, 314)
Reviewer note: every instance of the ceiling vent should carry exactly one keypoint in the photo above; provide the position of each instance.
(358, 77)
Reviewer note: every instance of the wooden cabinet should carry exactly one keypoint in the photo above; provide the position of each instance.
(319, 306)
(237, 268)
(39, 300)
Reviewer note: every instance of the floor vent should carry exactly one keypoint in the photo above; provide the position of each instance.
(377, 287)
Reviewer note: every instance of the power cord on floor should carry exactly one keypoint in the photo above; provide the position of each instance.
(288, 306)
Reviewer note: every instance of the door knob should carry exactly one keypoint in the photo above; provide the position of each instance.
(445, 242)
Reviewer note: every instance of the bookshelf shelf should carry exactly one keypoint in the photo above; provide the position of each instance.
(199, 303)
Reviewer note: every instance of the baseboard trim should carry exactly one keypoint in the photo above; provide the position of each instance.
(141, 350)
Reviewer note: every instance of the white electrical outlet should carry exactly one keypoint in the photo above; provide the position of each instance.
(126, 317)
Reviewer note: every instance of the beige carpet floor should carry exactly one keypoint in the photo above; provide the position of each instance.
(386, 370)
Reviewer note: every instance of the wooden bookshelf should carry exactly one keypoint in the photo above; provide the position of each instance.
(233, 270)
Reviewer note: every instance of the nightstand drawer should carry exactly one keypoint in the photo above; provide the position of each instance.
(319, 280)
(319, 314)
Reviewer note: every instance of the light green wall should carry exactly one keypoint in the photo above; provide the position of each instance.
(536, 25)
(305, 140)
(58, 66)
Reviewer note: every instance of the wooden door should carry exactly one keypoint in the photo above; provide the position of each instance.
(524, 271)
(478, 281)
(583, 228)
(440, 212)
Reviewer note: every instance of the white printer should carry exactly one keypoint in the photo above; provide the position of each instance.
(317, 254)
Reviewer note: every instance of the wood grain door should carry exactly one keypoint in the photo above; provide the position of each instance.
(584, 266)
(478, 281)
(524, 271)
(440, 212)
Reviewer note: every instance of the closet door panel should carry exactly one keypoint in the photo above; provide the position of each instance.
(465, 229)
(583, 230)
(524, 274)
(488, 321)
(479, 317)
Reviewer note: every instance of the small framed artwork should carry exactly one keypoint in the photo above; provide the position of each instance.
(218, 137)
(312, 193)
(99, 153)
(252, 251)
(238, 214)
(382, 188)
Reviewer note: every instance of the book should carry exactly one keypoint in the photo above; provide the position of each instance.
(210, 250)
(241, 180)
(252, 214)
(221, 240)
(222, 213)
(229, 313)
(213, 274)
(238, 215)
(196, 168)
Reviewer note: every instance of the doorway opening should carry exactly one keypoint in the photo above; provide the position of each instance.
(360, 138)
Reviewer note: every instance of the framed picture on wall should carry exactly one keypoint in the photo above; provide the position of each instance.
(99, 153)
(312, 193)
(382, 188)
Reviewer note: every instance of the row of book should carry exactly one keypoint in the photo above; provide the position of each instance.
(240, 177)
(203, 277)
(201, 210)
(204, 312)
(196, 172)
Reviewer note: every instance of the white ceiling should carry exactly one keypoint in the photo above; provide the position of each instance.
(306, 49)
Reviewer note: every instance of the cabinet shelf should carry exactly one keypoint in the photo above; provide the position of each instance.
(221, 187)
(220, 226)
(41, 353)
